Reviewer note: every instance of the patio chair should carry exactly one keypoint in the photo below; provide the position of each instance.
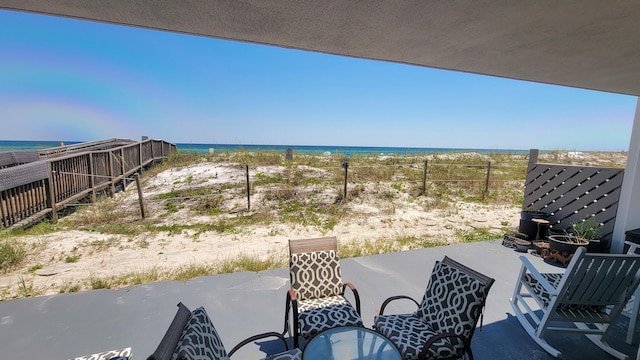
(633, 305)
(445, 320)
(192, 335)
(316, 297)
(585, 299)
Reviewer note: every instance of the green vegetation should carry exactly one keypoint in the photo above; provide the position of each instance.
(72, 258)
(307, 192)
(12, 253)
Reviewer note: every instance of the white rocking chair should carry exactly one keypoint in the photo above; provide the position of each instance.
(589, 295)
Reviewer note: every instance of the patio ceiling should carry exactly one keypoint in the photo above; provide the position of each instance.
(591, 44)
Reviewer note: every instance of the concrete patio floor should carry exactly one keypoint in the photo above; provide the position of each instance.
(242, 304)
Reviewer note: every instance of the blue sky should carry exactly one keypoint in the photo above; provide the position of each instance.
(64, 79)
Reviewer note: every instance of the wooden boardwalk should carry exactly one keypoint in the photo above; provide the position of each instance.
(36, 184)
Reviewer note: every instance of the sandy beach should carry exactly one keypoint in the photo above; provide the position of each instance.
(75, 258)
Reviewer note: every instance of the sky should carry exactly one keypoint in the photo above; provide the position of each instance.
(72, 80)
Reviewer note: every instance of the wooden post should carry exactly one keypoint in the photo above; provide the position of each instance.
(123, 170)
(345, 165)
(140, 156)
(52, 196)
(424, 178)
(112, 186)
(3, 203)
(533, 158)
(143, 212)
(92, 179)
(248, 190)
(289, 157)
(486, 181)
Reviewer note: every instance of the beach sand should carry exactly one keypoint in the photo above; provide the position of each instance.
(78, 260)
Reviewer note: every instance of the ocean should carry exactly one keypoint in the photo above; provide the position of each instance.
(8, 145)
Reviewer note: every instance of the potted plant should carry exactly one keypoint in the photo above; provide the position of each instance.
(528, 226)
(563, 246)
(589, 230)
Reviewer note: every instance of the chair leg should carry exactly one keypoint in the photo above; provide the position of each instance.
(526, 325)
(286, 317)
(597, 339)
(635, 308)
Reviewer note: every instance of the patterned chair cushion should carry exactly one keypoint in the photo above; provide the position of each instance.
(316, 315)
(106, 355)
(409, 333)
(200, 340)
(315, 274)
(545, 297)
(294, 354)
(450, 290)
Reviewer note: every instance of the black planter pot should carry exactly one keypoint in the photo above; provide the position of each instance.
(598, 246)
(522, 245)
(533, 230)
(565, 244)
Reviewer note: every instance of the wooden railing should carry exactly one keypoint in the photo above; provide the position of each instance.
(64, 175)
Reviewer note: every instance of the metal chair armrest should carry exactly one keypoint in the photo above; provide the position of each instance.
(258, 337)
(393, 298)
(432, 340)
(355, 295)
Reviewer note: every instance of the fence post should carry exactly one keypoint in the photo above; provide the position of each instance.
(533, 159)
(92, 179)
(248, 190)
(486, 181)
(51, 195)
(122, 170)
(345, 165)
(143, 211)
(424, 178)
(112, 185)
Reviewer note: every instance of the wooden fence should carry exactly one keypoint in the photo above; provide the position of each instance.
(568, 194)
(66, 174)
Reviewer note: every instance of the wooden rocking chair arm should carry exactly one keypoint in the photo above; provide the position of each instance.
(258, 337)
(397, 297)
(291, 295)
(526, 264)
(432, 340)
(355, 294)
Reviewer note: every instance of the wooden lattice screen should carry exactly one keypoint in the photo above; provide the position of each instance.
(573, 193)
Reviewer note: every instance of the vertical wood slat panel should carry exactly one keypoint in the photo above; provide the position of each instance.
(13, 206)
(3, 209)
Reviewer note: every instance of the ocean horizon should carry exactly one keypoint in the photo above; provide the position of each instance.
(14, 145)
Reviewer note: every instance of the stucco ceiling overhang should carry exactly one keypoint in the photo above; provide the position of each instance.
(591, 44)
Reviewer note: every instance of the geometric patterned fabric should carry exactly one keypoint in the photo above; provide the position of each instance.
(316, 315)
(317, 283)
(315, 274)
(545, 297)
(200, 340)
(452, 304)
(126, 352)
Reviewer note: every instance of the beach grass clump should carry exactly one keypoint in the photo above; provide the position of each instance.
(102, 245)
(243, 262)
(96, 283)
(381, 246)
(253, 263)
(251, 158)
(12, 252)
(478, 234)
(26, 288)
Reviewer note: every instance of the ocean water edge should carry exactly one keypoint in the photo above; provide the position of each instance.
(15, 145)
